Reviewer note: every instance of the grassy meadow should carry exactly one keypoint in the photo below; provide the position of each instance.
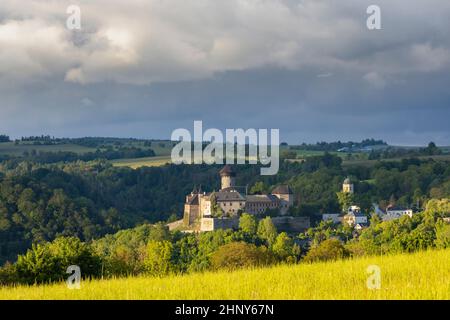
(9, 148)
(162, 149)
(370, 163)
(142, 162)
(424, 275)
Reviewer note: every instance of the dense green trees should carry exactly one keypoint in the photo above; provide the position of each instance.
(334, 146)
(240, 255)
(327, 230)
(124, 253)
(331, 249)
(411, 181)
(442, 235)
(423, 231)
(248, 224)
(158, 260)
(396, 152)
(345, 199)
(259, 188)
(153, 250)
(49, 262)
(88, 200)
(67, 156)
(285, 248)
(267, 231)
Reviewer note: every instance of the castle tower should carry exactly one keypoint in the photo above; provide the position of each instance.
(347, 186)
(286, 196)
(191, 208)
(228, 177)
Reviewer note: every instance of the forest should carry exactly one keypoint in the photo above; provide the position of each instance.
(152, 250)
(40, 202)
(334, 146)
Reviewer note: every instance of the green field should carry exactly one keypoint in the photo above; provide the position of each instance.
(162, 160)
(163, 149)
(9, 148)
(306, 153)
(163, 156)
(424, 275)
(369, 163)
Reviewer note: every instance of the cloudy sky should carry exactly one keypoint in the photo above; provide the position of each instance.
(143, 68)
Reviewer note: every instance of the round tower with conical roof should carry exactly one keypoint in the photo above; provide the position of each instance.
(347, 186)
(228, 177)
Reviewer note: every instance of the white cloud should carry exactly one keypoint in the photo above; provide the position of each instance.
(141, 42)
(375, 79)
(429, 58)
(75, 75)
(86, 102)
(325, 75)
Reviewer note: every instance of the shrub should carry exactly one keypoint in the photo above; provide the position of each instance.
(8, 274)
(158, 261)
(125, 260)
(285, 248)
(240, 255)
(248, 224)
(49, 262)
(442, 235)
(331, 249)
(267, 230)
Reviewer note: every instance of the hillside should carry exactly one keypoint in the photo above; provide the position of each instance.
(136, 153)
(424, 275)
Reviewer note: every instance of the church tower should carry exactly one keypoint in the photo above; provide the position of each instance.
(347, 186)
(228, 177)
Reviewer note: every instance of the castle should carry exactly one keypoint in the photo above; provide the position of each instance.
(204, 209)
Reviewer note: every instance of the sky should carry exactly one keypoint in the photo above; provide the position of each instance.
(310, 68)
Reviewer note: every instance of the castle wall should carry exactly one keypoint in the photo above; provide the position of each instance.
(292, 224)
(211, 224)
(191, 214)
(205, 207)
(286, 201)
(231, 207)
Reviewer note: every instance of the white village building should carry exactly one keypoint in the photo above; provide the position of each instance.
(395, 212)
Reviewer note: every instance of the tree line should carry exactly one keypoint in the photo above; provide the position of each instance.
(154, 251)
(393, 152)
(88, 200)
(334, 146)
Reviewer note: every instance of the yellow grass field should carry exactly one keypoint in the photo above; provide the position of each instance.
(424, 275)
(142, 162)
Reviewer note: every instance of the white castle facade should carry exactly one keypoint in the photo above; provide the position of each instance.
(202, 208)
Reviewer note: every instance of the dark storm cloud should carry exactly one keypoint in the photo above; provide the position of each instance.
(310, 68)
